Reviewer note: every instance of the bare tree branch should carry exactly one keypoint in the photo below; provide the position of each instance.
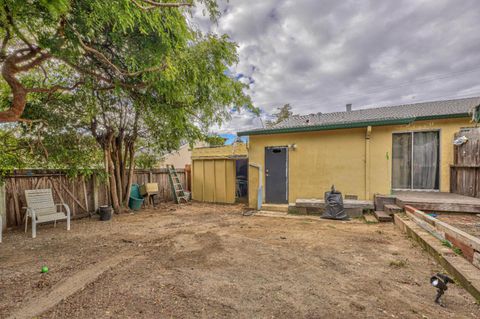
(3, 48)
(16, 30)
(103, 58)
(55, 88)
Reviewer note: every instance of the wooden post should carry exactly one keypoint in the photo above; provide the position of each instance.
(84, 184)
(3, 206)
(95, 192)
(188, 177)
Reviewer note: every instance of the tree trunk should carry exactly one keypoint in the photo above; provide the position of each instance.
(117, 170)
(131, 152)
(111, 174)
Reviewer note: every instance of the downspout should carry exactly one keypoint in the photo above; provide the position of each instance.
(260, 185)
(367, 162)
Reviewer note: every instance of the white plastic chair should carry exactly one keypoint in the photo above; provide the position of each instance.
(42, 209)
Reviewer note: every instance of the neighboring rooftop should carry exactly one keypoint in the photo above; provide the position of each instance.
(388, 115)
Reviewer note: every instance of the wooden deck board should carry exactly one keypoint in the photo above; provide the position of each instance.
(439, 201)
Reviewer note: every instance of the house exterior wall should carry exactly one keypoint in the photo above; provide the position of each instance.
(357, 165)
(181, 157)
(178, 158)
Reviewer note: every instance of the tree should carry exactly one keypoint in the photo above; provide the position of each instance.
(284, 112)
(149, 77)
(110, 45)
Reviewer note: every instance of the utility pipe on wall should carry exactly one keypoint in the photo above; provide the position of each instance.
(367, 162)
(260, 184)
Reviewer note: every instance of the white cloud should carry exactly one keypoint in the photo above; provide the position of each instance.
(320, 55)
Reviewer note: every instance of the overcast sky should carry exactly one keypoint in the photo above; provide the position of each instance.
(319, 55)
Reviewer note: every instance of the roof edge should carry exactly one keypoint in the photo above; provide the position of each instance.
(350, 125)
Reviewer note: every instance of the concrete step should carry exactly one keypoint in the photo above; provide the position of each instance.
(382, 200)
(267, 213)
(382, 216)
(275, 207)
(369, 218)
(391, 209)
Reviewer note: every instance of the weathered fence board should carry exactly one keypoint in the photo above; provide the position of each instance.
(465, 171)
(82, 194)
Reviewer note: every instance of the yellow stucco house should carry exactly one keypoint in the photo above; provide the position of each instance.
(362, 152)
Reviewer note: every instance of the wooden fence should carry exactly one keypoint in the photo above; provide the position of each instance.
(83, 194)
(465, 171)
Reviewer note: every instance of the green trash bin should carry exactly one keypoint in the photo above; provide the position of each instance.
(136, 200)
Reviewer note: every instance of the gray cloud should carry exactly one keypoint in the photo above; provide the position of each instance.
(320, 55)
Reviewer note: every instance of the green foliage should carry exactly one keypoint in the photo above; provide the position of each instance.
(146, 160)
(12, 154)
(455, 249)
(172, 76)
(398, 263)
(284, 112)
(215, 140)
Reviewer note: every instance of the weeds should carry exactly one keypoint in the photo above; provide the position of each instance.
(455, 249)
(398, 263)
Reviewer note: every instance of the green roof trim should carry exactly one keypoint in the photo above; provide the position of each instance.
(348, 125)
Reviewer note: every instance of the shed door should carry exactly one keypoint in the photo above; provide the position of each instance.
(276, 175)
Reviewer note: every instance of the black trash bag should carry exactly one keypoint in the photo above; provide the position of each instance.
(334, 205)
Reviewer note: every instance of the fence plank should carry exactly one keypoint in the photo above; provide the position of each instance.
(3, 206)
(81, 194)
(465, 171)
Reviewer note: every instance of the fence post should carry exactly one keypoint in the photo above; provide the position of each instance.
(188, 177)
(3, 206)
(95, 192)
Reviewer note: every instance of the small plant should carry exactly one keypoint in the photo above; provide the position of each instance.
(455, 249)
(446, 243)
(398, 263)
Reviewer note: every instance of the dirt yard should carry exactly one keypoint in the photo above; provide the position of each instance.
(469, 223)
(209, 261)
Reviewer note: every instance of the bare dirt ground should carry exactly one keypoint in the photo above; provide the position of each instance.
(209, 261)
(469, 223)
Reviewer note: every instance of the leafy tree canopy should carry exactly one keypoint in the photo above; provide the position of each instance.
(116, 73)
(145, 48)
(284, 112)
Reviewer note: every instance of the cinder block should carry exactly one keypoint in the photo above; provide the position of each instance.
(354, 212)
(297, 210)
(315, 210)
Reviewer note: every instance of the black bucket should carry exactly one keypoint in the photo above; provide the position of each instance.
(105, 213)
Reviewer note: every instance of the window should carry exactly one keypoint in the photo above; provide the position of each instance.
(415, 160)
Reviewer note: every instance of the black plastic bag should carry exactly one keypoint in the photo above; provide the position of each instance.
(334, 205)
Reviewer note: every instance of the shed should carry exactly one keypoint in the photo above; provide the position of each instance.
(220, 174)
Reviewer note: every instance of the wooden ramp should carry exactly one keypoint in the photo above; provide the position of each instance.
(438, 202)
